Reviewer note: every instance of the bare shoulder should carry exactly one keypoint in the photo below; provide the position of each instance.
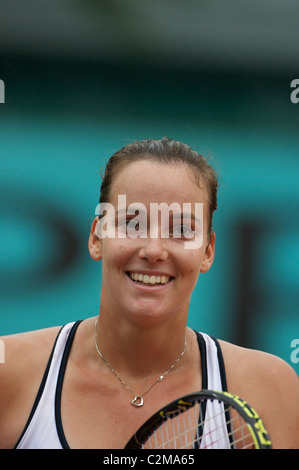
(28, 348)
(256, 367)
(25, 358)
(270, 385)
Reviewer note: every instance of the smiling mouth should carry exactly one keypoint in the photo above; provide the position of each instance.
(150, 280)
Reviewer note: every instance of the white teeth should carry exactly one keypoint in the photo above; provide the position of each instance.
(146, 279)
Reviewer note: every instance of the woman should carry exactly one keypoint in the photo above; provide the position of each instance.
(110, 373)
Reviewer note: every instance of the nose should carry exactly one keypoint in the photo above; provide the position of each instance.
(153, 250)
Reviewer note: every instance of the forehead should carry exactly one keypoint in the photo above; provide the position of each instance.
(148, 181)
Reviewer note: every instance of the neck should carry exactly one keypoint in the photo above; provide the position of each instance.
(139, 352)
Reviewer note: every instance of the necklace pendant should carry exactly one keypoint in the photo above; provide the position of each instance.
(138, 401)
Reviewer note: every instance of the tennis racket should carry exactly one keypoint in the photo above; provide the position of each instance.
(204, 420)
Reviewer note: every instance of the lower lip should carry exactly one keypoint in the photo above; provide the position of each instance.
(149, 287)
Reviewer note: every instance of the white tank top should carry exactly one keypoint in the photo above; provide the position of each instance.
(44, 428)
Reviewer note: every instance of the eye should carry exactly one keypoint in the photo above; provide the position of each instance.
(135, 225)
(132, 226)
(182, 231)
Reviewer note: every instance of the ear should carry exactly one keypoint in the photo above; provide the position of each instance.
(94, 242)
(209, 255)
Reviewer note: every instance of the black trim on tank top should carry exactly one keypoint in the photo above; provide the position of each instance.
(202, 346)
(224, 388)
(203, 356)
(204, 383)
(40, 392)
(61, 373)
(221, 364)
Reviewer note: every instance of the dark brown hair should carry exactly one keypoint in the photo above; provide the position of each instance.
(162, 151)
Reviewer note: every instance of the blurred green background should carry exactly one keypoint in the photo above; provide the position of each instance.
(83, 79)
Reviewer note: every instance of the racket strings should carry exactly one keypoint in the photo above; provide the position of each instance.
(190, 430)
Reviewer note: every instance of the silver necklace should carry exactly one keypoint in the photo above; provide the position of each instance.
(138, 399)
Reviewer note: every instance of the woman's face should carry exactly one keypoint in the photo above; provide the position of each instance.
(149, 279)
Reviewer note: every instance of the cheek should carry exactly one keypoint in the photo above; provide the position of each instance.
(115, 253)
(193, 260)
(190, 267)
